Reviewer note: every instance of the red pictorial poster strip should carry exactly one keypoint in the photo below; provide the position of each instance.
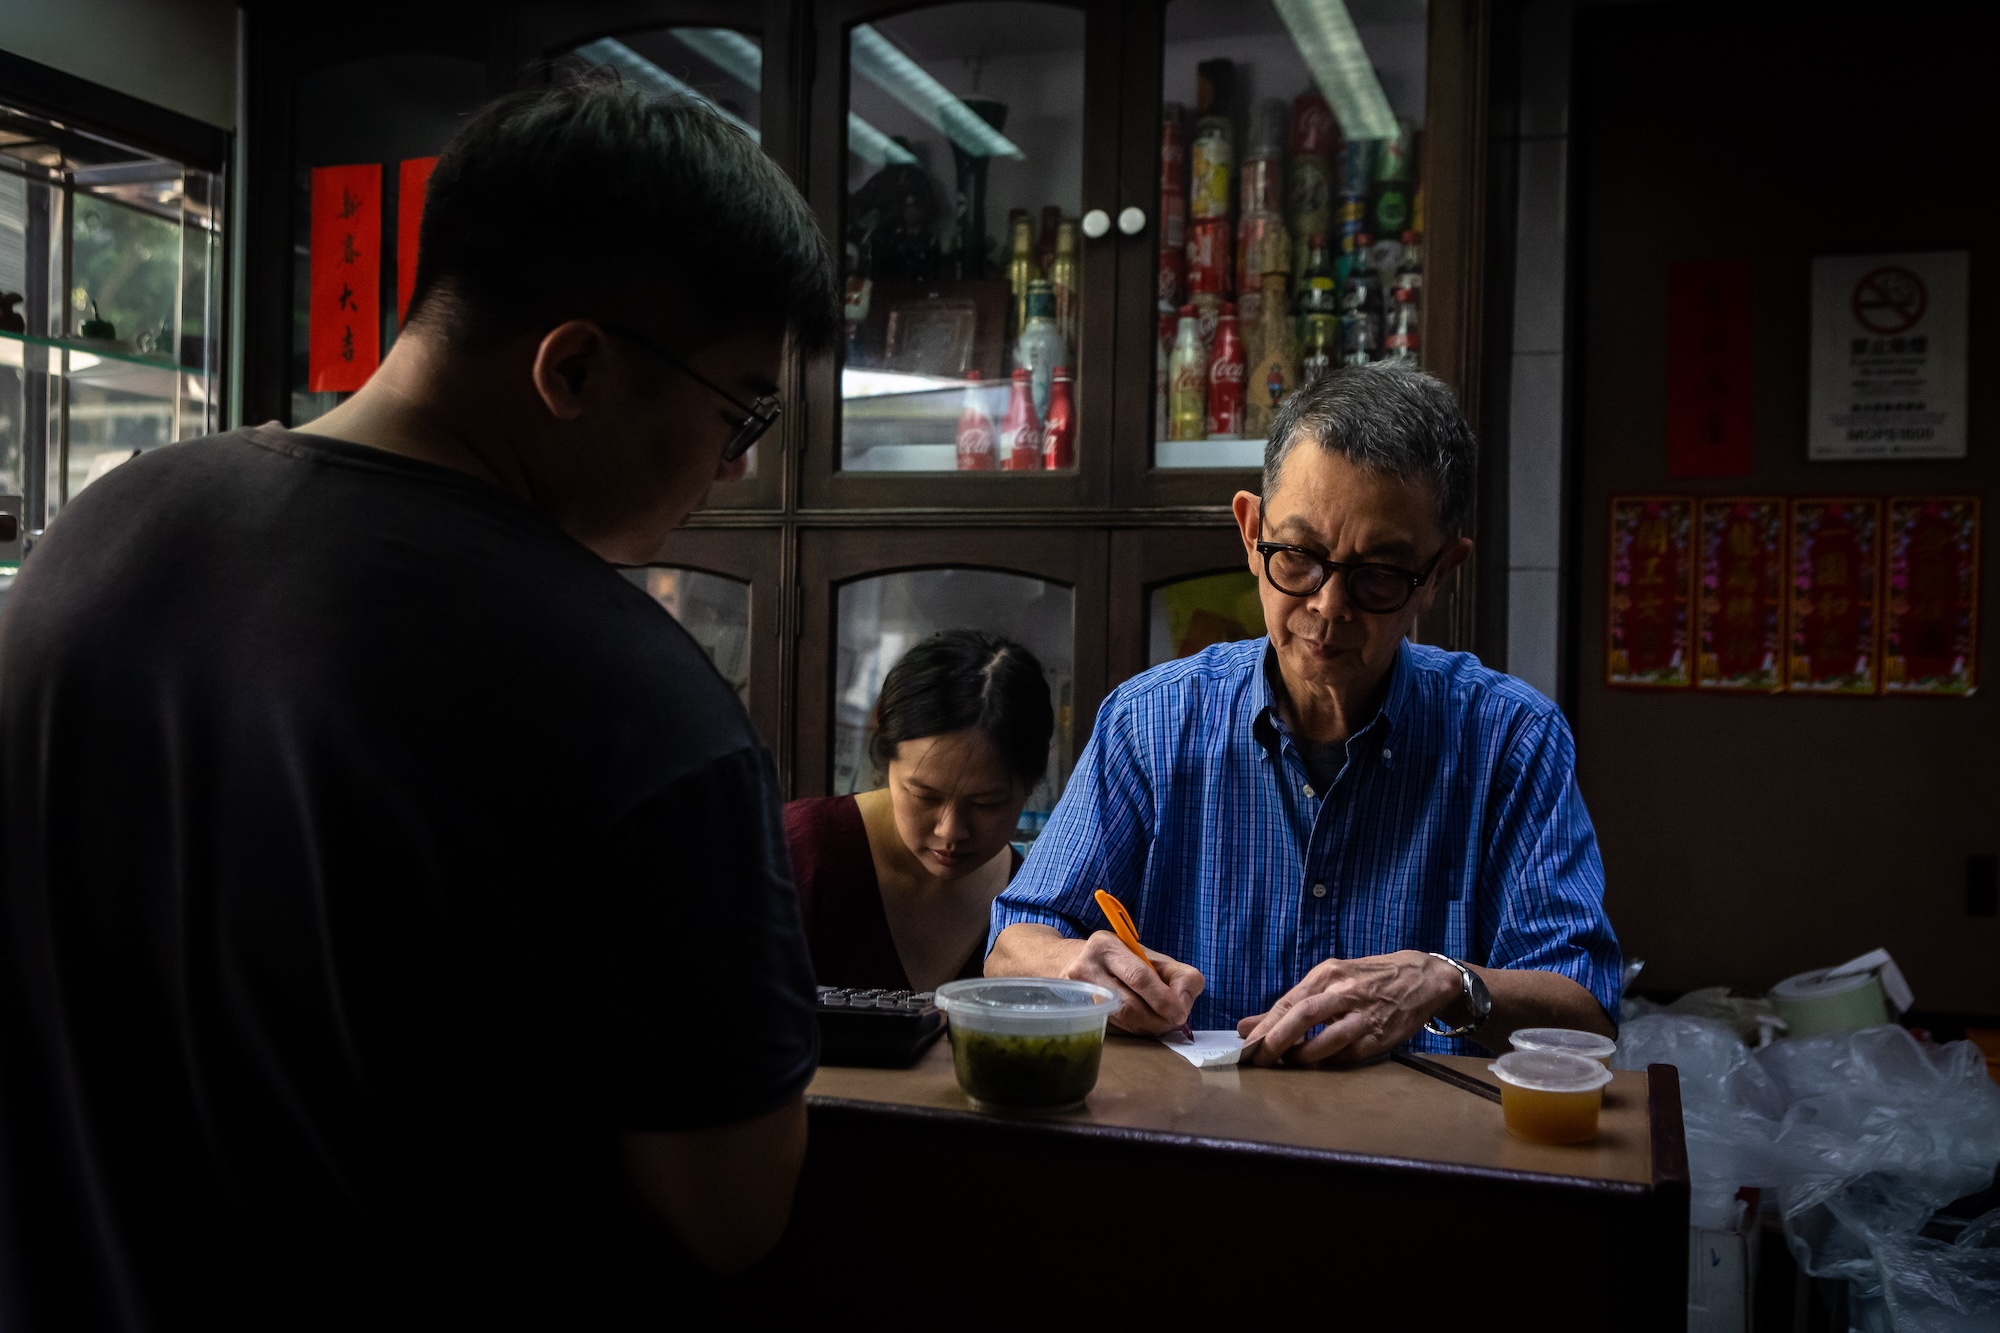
(1835, 615)
(1650, 615)
(345, 320)
(1740, 613)
(1709, 368)
(411, 179)
(1931, 634)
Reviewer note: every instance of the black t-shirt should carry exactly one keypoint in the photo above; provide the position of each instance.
(370, 854)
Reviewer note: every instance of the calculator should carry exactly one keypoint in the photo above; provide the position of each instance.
(887, 1029)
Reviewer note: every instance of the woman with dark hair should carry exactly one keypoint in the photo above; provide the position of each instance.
(897, 884)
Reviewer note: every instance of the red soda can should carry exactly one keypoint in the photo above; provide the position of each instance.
(1173, 247)
(1253, 238)
(1173, 149)
(1225, 378)
(1059, 431)
(1314, 131)
(1020, 444)
(975, 429)
(1208, 255)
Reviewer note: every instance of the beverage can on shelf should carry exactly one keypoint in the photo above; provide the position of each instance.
(975, 429)
(1208, 256)
(1020, 442)
(1263, 245)
(1211, 163)
(1395, 156)
(1315, 133)
(1207, 307)
(1357, 167)
(1059, 429)
(1225, 378)
(1173, 204)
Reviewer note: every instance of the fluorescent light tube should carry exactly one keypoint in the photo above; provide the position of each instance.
(1324, 33)
(610, 51)
(743, 60)
(882, 63)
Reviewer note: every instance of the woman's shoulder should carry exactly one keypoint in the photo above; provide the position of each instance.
(814, 814)
(828, 842)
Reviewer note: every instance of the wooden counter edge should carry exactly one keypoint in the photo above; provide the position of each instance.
(1058, 1127)
(1667, 1240)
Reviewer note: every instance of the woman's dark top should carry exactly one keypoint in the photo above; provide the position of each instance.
(841, 899)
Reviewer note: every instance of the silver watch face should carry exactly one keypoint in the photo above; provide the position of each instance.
(1477, 997)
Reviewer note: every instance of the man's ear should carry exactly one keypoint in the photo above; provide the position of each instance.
(1454, 555)
(569, 356)
(1249, 511)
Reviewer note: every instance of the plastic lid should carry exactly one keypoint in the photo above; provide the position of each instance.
(1586, 1044)
(1812, 985)
(1026, 996)
(1550, 1071)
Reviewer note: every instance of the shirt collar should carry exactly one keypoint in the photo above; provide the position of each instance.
(1267, 727)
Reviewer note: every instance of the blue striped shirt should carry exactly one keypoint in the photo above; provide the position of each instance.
(1455, 827)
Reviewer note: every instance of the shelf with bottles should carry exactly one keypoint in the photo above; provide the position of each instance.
(1291, 227)
(944, 309)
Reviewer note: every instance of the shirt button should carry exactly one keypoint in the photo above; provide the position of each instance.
(1388, 753)
(1307, 789)
(1319, 890)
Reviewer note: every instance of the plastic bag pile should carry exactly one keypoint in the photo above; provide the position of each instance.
(1860, 1137)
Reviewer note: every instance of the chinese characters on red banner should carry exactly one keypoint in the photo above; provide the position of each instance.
(1651, 569)
(1740, 614)
(1709, 368)
(1834, 611)
(1932, 632)
(414, 175)
(345, 314)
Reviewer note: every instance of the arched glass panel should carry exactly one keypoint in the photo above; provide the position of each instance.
(1291, 214)
(963, 254)
(1191, 614)
(881, 618)
(713, 609)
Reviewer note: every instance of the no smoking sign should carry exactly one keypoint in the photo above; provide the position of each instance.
(1888, 356)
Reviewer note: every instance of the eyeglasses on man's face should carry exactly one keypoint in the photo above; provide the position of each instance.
(757, 416)
(1376, 588)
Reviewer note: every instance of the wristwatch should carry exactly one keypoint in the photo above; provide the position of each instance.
(1478, 1002)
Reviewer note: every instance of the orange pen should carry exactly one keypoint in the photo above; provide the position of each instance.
(1128, 934)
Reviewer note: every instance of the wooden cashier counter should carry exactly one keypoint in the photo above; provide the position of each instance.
(1295, 1193)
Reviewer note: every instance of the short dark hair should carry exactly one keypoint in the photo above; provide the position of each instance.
(1388, 418)
(587, 198)
(962, 679)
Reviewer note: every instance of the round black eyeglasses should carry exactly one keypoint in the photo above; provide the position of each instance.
(757, 416)
(1380, 589)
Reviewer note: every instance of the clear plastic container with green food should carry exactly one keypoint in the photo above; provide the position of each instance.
(1026, 1043)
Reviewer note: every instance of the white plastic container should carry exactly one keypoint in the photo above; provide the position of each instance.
(1568, 1041)
(1026, 1043)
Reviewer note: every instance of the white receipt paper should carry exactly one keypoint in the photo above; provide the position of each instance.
(1208, 1050)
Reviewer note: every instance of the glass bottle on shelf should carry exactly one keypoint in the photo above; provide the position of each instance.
(1041, 347)
(1360, 314)
(1318, 305)
(976, 445)
(1309, 177)
(1020, 443)
(1065, 277)
(1059, 427)
(1188, 373)
(1274, 373)
(1021, 270)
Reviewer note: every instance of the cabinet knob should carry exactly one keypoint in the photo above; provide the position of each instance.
(1096, 223)
(1132, 221)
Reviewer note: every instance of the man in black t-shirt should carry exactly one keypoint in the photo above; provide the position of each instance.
(395, 923)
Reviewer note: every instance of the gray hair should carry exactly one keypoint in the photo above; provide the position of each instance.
(1387, 418)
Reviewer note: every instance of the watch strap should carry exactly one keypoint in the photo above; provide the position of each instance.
(1436, 1029)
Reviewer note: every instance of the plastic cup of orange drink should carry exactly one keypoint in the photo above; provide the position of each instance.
(1550, 1096)
(1567, 1040)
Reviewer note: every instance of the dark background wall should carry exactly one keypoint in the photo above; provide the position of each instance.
(1746, 839)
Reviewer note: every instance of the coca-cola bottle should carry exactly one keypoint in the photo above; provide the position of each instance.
(1059, 430)
(1021, 432)
(1225, 378)
(1402, 340)
(975, 429)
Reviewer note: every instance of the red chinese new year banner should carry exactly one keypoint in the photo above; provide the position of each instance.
(1834, 616)
(346, 325)
(1709, 368)
(1652, 570)
(411, 180)
(1740, 612)
(1931, 634)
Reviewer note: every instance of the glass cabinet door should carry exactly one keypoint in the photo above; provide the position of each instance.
(881, 618)
(969, 217)
(111, 309)
(1291, 210)
(715, 611)
(1187, 615)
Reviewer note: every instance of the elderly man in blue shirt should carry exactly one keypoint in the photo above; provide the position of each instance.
(1340, 841)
